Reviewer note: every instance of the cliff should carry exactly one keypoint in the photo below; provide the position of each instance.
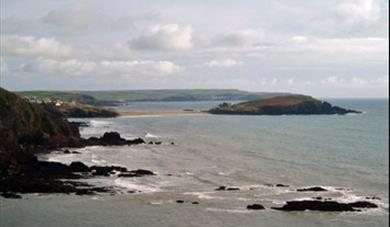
(79, 110)
(29, 125)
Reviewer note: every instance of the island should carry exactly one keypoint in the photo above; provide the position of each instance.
(283, 105)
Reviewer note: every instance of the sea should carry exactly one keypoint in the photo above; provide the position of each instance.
(347, 155)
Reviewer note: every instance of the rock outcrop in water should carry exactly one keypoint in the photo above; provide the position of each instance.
(112, 138)
(285, 105)
(22, 172)
(317, 205)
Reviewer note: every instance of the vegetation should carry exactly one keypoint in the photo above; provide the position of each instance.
(77, 110)
(112, 97)
(292, 104)
(24, 124)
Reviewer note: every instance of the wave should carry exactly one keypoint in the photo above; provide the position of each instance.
(136, 186)
(97, 123)
(149, 135)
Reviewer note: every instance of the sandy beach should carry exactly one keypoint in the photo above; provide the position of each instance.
(162, 113)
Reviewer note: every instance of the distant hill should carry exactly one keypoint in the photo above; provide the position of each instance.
(27, 124)
(77, 110)
(285, 105)
(111, 97)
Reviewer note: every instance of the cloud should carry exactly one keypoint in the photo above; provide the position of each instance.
(71, 18)
(127, 68)
(240, 38)
(350, 45)
(359, 11)
(164, 37)
(3, 65)
(226, 63)
(29, 46)
(335, 81)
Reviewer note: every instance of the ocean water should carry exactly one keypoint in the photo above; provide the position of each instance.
(348, 155)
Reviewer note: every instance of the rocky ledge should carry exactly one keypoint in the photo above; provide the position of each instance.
(22, 172)
(317, 205)
(111, 139)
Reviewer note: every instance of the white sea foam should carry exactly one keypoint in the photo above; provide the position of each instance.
(136, 186)
(204, 195)
(97, 123)
(150, 135)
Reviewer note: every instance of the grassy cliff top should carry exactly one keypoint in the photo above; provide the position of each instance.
(23, 122)
(289, 100)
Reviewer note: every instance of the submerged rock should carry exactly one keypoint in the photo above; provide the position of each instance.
(78, 167)
(224, 188)
(220, 188)
(136, 173)
(255, 207)
(324, 206)
(106, 170)
(10, 195)
(312, 189)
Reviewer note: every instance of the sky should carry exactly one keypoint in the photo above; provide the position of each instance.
(322, 48)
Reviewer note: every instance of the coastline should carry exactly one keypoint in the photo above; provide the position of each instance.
(160, 113)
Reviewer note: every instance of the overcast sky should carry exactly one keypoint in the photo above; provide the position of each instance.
(322, 48)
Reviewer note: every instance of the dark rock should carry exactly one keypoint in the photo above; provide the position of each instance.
(136, 173)
(221, 188)
(179, 201)
(224, 188)
(158, 143)
(106, 170)
(363, 204)
(78, 167)
(172, 143)
(255, 207)
(66, 151)
(232, 189)
(150, 142)
(195, 202)
(135, 141)
(55, 170)
(75, 152)
(10, 195)
(112, 139)
(312, 189)
(282, 185)
(373, 197)
(85, 192)
(324, 206)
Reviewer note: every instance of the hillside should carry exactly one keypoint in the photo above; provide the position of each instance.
(112, 97)
(24, 124)
(77, 110)
(292, 104)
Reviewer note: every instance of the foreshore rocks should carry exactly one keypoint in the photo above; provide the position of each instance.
(112, 139)
(22, 172)
(317, 205)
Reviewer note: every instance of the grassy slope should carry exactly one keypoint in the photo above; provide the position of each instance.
(279, 101)
(81, 110)
(21, 121)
